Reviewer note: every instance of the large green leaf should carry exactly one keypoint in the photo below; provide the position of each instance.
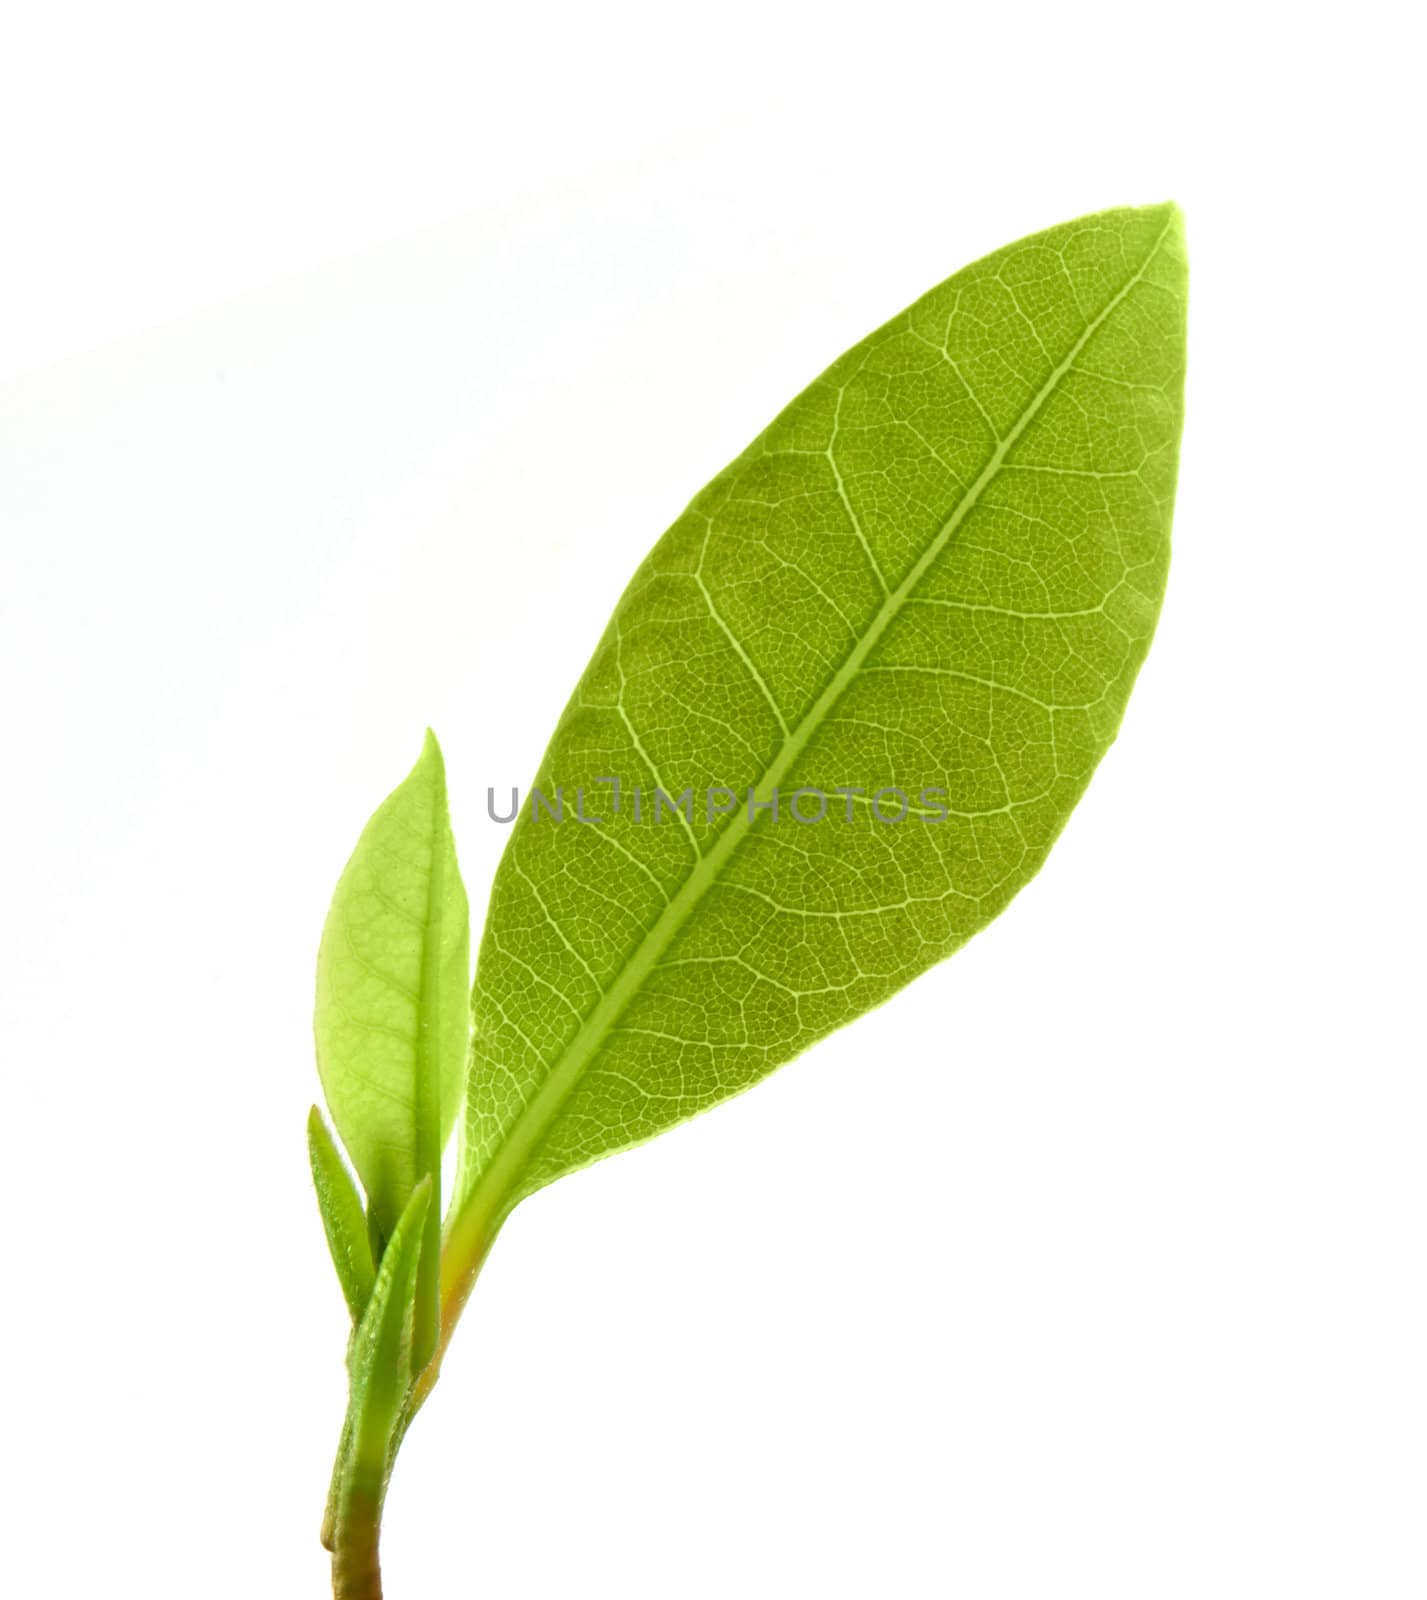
(939, 569)
(392, 1018)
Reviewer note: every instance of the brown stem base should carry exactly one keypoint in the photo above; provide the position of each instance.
(356, 1562)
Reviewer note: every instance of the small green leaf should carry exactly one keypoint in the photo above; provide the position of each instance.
(328, 1534)
(392, 1017)
(379, 1363)
(937, 571)
(342, 1216)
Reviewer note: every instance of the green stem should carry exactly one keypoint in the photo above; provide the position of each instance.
(377, 1411)
(380, 1414)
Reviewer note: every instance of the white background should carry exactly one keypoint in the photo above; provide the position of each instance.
(354, 356)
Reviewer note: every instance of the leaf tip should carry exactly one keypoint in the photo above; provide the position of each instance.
(1169, 215)
(413, 1217)
(430, 764)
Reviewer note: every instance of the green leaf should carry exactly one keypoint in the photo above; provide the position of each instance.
(392, 1017)
(342, 1216)
(380, 1366)
(938, 570)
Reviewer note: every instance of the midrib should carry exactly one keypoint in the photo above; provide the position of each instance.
(483, 1205)
(427, 1143)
